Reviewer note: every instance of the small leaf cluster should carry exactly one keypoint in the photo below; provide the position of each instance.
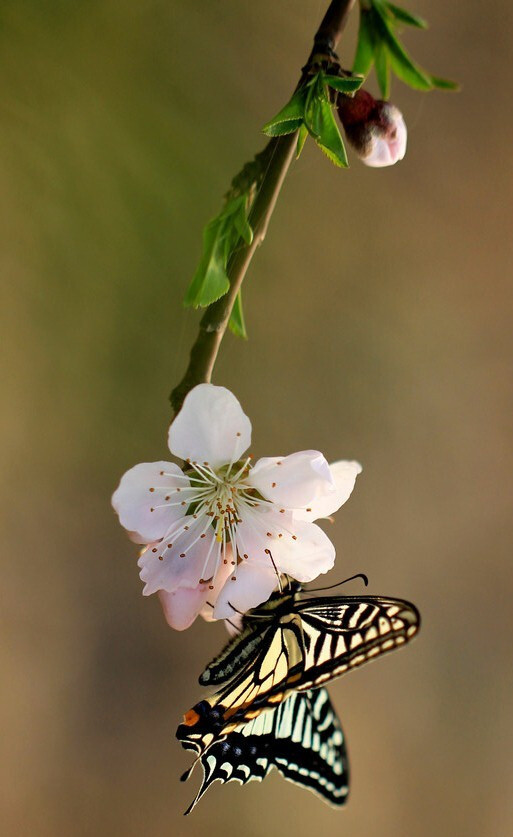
(310, 112)
(220, 239)
(379, 46)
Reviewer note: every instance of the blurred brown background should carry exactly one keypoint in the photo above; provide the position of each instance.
(379, 315)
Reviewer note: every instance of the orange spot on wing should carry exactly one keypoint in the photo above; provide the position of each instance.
(190, 718)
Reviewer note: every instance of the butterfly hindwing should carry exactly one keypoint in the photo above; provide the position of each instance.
(301, 738)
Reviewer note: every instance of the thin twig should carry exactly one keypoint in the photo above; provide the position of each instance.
(280, 153)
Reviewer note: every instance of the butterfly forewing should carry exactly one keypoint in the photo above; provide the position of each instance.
(301, 738)
(279, 658)
(343, 633)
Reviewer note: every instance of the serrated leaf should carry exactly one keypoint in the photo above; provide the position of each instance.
(210, 282)
(220, 236)
(348, 84)
(236, 322)
(403, 16)
(290, 118)
(364, 57)
(301, 139)
(328, 137)
(279, 129)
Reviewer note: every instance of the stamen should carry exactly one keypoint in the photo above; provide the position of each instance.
(241, 470)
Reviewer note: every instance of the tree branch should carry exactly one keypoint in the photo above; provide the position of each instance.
(278, 155)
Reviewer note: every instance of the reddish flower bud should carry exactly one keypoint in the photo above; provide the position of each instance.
(376, 129)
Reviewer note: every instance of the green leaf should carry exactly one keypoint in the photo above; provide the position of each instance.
(290, 118)
(364, 57)
(444, 83)
(236, 322)
(378, 44)
(240, 220)
(347, 84)
(328, 138)
(279, 129)
(301, 139)
(210, 281)
(403, 66)
(316, 94)
(220, 237)
(382, 67)
(403, 16)
(409, 72)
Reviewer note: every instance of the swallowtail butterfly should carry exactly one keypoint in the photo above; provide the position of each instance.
(291, 644)
(301, 738)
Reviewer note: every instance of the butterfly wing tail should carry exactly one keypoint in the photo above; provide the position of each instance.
(229, 759)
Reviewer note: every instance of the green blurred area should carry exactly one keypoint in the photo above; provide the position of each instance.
(379, 314)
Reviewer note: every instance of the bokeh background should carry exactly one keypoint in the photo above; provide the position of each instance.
(379, 313)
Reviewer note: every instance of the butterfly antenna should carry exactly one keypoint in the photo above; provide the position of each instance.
(234, 626)
(240, 612)
(339, 583)
(269, 553)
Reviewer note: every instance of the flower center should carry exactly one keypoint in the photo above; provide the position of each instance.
(222, 494)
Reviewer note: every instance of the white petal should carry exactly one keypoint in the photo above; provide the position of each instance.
(278, 540)
(253, 585)
(388, 144)
(211, 427)
(344, 476)
(182, 606)
(143, 488)
(293, 481)
(225, 572)
(182, 559)
(309, 554)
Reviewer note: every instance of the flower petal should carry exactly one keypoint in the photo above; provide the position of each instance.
(280, 541)
(307, 554)
(188, 553)
(253, 585)
(344, 476)
(389, 138)
(140, 499)
(211, 427)
(293, 481)
(182, 606)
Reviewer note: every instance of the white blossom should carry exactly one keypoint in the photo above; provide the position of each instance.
(220, 530)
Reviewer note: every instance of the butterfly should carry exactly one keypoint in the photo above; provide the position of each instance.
(291, 644)
(301, 738)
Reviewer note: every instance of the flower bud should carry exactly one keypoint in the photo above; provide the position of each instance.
(376, 129)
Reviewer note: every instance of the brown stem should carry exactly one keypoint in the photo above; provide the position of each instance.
(279, 153)
(333, 23)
